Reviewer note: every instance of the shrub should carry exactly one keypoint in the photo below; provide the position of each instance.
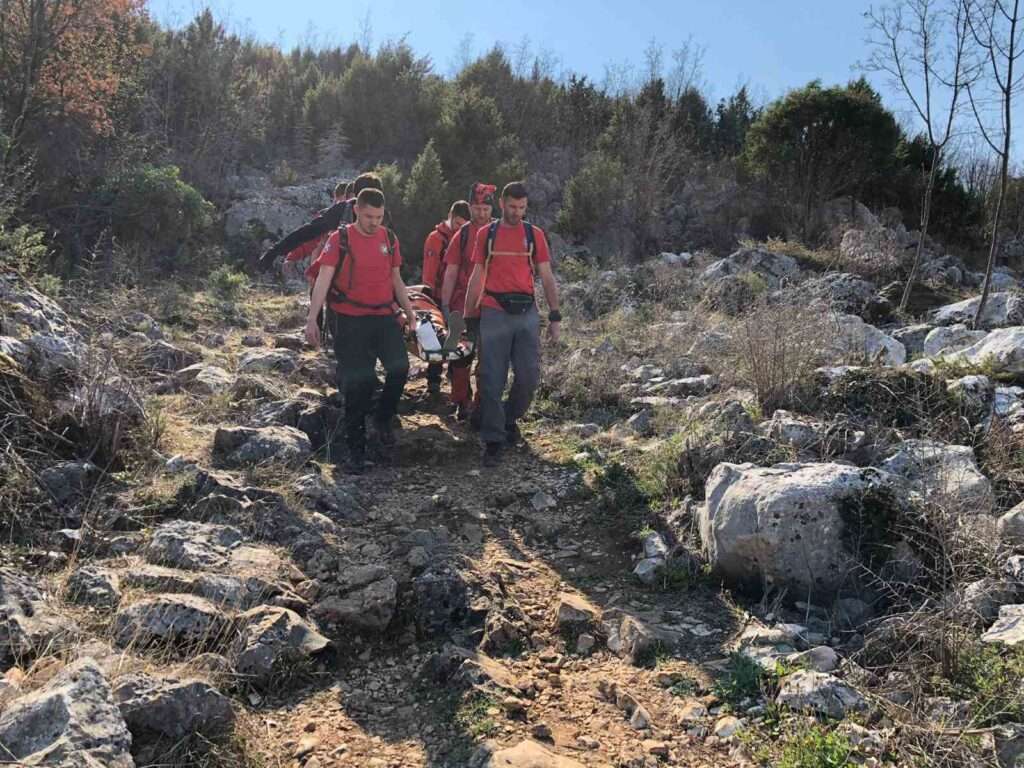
(775, 351)
(283, 174)
(227, 284)
(816, 748)
(591, 196)
(22, 249)
(152, 207)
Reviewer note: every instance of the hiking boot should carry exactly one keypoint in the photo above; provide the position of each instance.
(512, 434)
(355, 464)
(492, 454)
(434, 388)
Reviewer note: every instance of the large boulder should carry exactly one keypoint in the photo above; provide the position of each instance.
(1002, 349)
(171, 620)
(773, 268)
(368, 603)
(93, 586)
(173, 708)
(1001, 309)
(270, 639)
(55, 355)
(28, 624)
(241, 446)
(70, 722)
(783, 526)
(950, 338)
(68, 480)
(936, 469)
(277, 210)
(840, 291)
(912, 337)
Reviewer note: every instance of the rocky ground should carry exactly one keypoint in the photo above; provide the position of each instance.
(702, 556)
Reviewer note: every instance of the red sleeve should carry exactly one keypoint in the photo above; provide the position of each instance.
(480, 246)
(541, 252)
(454, 253)
(332, 251)
(396, 257)
(430, 260)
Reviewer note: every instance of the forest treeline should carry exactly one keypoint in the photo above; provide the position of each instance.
(117, 132)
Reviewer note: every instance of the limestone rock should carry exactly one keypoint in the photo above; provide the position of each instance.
(69, 480)
(950, 338)
(27, 623)
(1011, 526)
(1001, 309)
(781, 525)
(167, 358)
(93, 586)
(820, 693)
(169, 619)
(774, 268)
(575, 612)
(193, 546)
(860, 340)
(204, 379)
(245, 446)
(70, 722)
(1008, 629)
(269, 638)
(934, 468)
(172, 708)
(1002, 349)
(525, 754)
(268, 361)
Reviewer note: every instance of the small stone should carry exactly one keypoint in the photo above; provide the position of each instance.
(585, 643)
(640, 720)
(306, 745)
(541, 731)
(727, 727)
(588, 742)
(656, 748)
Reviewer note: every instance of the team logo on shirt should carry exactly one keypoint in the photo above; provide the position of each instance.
(383, 248)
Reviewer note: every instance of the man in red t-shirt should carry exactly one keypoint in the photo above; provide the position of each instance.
(501, 287)
(434, 249)
(458, 267)
(359, 279)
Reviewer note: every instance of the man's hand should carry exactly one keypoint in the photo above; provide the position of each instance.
(554, 332)
(411, 320)
(312, 333)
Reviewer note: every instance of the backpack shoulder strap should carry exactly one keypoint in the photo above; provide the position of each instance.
(392, 239)
(463, 238)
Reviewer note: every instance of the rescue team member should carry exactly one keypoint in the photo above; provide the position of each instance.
(505, 256)
(458, 267)
(312, 248)
(434, 248)
(339, 213)
(359, 279)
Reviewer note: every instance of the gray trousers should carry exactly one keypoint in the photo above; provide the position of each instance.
(507, 339)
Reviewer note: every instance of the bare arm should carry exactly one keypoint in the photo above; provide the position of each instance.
(316, 303)
(474, 291)
(547, 278)
(451, 278)
(402, 297)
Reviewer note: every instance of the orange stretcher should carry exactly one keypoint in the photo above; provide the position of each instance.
(428, 311)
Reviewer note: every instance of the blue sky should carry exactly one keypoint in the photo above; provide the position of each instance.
(773, 45)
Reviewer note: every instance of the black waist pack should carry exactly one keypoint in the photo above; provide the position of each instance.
(513, 303)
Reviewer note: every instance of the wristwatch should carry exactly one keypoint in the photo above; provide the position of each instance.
(554, 316)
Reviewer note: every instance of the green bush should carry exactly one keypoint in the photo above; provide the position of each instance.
(227, 284)
(816, 748)
(23, 249)
(590, 196)
(991, 677)
(151, 207)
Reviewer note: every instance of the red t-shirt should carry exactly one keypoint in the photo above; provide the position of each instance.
(464, 261)
(509, 270)
(365, 274)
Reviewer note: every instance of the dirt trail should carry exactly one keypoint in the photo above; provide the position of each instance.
(533, 529)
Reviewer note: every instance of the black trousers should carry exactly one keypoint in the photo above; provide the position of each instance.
(359, 342)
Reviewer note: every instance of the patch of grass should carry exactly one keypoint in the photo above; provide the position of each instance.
(743, 679)
(991, 677)
(654, 656)
(474, 715)
(816, 747)
(684, 688)
(620, 493)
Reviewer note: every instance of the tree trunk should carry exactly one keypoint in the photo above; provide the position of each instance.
(926, 208)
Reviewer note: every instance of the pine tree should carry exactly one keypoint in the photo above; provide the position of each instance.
(426, 202)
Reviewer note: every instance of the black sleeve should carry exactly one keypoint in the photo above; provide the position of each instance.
(319, 226)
